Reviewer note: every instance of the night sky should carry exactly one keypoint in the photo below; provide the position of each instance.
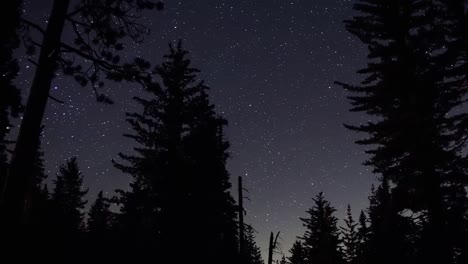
(271, 65)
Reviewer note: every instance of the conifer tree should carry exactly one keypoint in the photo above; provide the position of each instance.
(415, 138)
(99, 226)
(179, 169)
(390, 234)
(252, 251)
(68, 198)
(350, 238)
(10, 99)
(40, 199)
(454, 13)
(99, 28)
(99, 220)
(298, 253)
(363, 238)
(321, 238)
(67, 228)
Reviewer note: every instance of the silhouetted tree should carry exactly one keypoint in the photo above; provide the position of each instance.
(415, 136)
(350, 240)
(298, 253)
(321, 238)
(40, 207)
(99, 27)
(67, 214)
(390, 234)
(137, 220)
(363, 238)
(38, 229)
(68, 198)
(252, 251)
(100, 217)
(10, 99)
(454, 14)
(99, 227)
(179, 169)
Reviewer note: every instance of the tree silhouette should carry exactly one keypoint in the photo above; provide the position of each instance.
(99, 217)
(455, 15)
(68, 198)
(416, 139)
(10, 99)
(363, 238)
(252, 251)
(137, 220)
(99, 227)
(321, 238)
(298, 253)
(67, 201)
(350, 240)
(179, 169)
(390, 234)
(40, 208)
(38, 229)
(99, 27)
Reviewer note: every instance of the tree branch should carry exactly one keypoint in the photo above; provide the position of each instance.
(56, 100)
(33, 25)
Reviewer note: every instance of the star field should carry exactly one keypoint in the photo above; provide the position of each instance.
(271, 66)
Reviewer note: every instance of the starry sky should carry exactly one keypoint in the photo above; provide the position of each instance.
(271, 66)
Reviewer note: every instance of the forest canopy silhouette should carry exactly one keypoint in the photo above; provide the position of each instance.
(179, 206)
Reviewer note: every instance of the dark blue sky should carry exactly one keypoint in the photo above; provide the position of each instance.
(271, 65)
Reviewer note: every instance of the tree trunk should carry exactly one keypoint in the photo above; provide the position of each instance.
(20, 179)
(241, 220)
(270, 249)
(272, 246)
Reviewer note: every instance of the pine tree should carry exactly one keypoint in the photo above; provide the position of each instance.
(455, 15)
(40, 199)
(252, 251)
(136, 222)
(100, 234)
(10, 99)
(298, 253)
(179, 169)
(40, 225)
(390, 234)
(363, 238)
(321, 238)
(99, 29)
(67, 214)
(68, 198)
(350, 240)
(415, 137)
(99, 217)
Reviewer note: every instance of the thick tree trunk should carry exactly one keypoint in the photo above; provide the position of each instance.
(20, 179)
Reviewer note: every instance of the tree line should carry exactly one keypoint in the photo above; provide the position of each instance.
(179, 207)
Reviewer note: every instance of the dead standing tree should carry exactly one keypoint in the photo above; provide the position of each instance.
(99, 27)
(272, 246)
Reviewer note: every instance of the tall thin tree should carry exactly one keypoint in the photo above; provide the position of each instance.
(321, 238)
(99, 28)
(350, 238)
